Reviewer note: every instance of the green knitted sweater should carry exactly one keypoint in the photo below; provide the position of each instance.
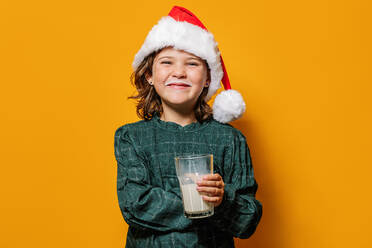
(149, 193)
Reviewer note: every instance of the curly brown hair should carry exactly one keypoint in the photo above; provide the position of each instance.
(148, 100)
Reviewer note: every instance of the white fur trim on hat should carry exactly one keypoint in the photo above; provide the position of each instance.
(228, 106)
(187, 37)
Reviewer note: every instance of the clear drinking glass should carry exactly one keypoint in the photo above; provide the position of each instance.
(190, 169)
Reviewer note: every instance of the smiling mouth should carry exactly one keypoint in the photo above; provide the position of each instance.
(178, 85)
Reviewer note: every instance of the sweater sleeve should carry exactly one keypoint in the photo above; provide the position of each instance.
(240, 212)
(142, 204)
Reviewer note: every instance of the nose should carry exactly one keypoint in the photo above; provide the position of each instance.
(179, 71)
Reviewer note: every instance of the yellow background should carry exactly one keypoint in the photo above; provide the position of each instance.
(303, 67)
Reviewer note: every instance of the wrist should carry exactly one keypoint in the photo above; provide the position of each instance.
(225, 203)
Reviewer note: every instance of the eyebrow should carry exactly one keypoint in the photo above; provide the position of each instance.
(171, 57)
(164, 57)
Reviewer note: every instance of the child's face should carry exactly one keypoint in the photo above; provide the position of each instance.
(178, 77)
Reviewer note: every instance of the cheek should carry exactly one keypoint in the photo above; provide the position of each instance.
(199, 76)
(160, 74)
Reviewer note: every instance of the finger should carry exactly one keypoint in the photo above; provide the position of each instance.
(212, 191)
(212, 177)
(212, 199)
(216, 184)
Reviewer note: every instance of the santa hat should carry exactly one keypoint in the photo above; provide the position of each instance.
(182, 30)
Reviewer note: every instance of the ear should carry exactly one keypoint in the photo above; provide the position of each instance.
(149, 78)
(208, 82)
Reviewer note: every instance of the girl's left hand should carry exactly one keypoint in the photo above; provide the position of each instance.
(212, 188)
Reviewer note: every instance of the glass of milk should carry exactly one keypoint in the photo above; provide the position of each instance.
(190, 169)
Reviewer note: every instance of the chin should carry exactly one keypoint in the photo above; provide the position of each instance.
(177, 101)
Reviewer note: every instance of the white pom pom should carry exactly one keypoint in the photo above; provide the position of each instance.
(228, 106)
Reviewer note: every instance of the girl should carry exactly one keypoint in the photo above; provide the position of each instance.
(176, 71)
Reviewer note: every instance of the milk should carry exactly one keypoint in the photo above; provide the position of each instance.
(193, 201)
(191, 169)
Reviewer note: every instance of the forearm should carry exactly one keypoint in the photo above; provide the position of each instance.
(238, 214)
(150, 207)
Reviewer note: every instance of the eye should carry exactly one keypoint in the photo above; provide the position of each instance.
(193, 64)
(166, 62)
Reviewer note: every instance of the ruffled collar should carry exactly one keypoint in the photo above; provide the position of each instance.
(172, 126)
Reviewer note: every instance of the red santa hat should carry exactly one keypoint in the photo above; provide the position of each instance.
(182, 30)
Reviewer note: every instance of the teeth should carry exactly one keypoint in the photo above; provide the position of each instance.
(185, 85)
(178, 84)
